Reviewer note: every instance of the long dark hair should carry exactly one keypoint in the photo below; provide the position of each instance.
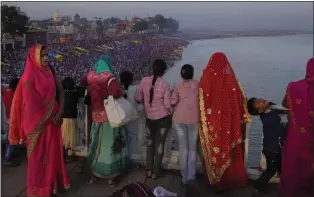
(187, 72)
(68, 83)
(126, 78)
(159, 68)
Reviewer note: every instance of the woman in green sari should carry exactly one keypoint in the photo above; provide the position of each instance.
(108, 153)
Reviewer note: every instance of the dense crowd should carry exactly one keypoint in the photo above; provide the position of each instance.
(217, 111)
(128, 52)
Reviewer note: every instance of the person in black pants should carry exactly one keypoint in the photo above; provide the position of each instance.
(69, 125)
(274, 132)
(156, 95)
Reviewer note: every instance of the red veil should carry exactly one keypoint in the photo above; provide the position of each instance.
(223, 111)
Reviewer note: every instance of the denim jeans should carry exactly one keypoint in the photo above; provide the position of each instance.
(188, 137)
(132, 136)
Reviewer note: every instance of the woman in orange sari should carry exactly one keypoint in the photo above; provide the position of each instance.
(36, 117)
(223, 117)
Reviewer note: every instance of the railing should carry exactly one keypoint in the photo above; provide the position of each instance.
(171, 156)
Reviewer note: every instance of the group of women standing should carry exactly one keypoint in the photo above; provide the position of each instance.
(212, 111)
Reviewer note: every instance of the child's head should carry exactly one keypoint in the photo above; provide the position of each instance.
(126, 78)
(257, 106)
(187, 72)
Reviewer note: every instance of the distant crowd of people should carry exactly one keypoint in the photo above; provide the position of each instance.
(133, 52)
(213, 110)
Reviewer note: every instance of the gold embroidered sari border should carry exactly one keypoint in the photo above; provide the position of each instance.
(248, 118)
(203, 132)
(37, 54)
(34, 135)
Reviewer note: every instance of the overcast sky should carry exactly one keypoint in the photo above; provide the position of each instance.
(212, 15)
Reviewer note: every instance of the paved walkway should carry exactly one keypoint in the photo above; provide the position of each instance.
(14, 184)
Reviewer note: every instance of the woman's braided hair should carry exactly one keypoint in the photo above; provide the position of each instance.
(159, 68)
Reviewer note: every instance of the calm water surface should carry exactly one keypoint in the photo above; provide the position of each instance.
(263, 65)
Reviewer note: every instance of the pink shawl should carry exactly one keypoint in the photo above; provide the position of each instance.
(33, 101)
(300, 97)
(298, 150)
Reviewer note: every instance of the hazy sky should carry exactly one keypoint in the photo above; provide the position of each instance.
(212, 15)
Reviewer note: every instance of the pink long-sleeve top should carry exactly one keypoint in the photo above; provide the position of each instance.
(161, 101)
(186, 102)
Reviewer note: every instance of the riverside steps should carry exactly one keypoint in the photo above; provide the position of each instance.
(14, 178)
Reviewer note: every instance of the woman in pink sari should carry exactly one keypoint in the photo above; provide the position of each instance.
(297, 177)
(36, 117)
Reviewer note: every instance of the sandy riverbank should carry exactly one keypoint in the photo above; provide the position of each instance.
(222, 35)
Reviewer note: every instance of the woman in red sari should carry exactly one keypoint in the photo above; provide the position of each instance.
(223, 117)
(36, 117)
(297, 176)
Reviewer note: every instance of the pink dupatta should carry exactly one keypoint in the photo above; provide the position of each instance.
(297, 178)
(33, 102)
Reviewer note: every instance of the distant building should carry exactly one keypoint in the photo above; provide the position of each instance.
(8, 43)
(54, 37)
(34, 37)
(123, 27)
(57, 18)
(76, 17)
(67, 29)
(67, 18)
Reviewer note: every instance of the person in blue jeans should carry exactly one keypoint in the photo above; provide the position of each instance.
(126, 78)
(186, 122)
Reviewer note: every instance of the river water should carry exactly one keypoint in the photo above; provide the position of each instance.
(263, 65)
